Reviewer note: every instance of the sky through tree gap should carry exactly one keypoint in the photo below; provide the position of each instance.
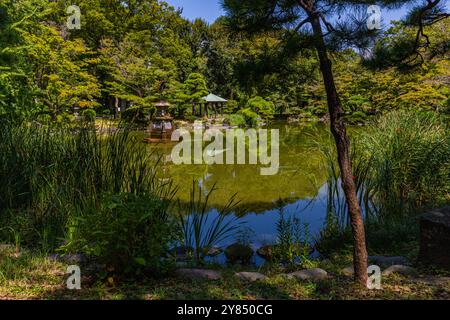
(210, 10)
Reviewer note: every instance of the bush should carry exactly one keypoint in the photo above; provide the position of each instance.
(264, 108)
(88, 115)
(231, 106)
(68, 117)
(236, 120)
(250, 117)
(319, 110)
(44, 118)
(129, 234)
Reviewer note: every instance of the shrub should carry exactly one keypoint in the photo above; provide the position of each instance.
(44, 118)
(320, 110)
(68, 117)
(128, 233)
(231, 106)
(235, 120)
(250, 117)
(88, 115)
(264, 108)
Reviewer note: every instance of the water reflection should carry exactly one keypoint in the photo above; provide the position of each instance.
(300, 176)
(300, 185)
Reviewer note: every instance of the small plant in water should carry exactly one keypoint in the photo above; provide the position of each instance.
(292, 241)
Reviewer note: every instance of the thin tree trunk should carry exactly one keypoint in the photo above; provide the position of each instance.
(343, 150)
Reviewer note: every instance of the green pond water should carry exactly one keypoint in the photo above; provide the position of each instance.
(300, 183)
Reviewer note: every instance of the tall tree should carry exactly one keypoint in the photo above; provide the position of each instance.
(194, 88)
(140, 73)
(308, 19)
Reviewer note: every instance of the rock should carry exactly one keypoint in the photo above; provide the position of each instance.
(251, 276)
(309, 274)
(239, 253)
(348, 271)
(387, 261)
(435, 238)
(199, 274)
(266, 252)
(400, 269)
(70, 258)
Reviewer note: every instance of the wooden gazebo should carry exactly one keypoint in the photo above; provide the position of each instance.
(212, 101)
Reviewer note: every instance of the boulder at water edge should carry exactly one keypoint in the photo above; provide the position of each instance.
(250, 276)
(435, 238)
(239, 253)
(309, 274)
(199, 274)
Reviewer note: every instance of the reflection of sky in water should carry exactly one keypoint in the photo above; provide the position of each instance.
(263, 226)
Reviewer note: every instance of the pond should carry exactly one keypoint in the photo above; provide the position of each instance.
(299, 188)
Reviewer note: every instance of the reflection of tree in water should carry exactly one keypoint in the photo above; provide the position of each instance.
(300, 175)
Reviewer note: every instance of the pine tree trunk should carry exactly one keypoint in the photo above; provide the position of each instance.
(343, 150)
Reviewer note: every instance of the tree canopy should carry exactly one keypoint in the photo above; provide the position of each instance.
(143, 51)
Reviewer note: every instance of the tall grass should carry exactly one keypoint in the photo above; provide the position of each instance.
(203, 229)
(410, 162)
(401, 164)
(48, 173)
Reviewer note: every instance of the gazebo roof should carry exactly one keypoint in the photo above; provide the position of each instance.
(213, 98)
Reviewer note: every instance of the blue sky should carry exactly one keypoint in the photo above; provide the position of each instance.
(210, 10)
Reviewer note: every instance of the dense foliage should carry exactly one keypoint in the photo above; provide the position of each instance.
(50, 174)
(144, 51)
(128, 233)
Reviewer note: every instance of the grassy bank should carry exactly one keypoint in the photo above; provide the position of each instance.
(33, 276)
